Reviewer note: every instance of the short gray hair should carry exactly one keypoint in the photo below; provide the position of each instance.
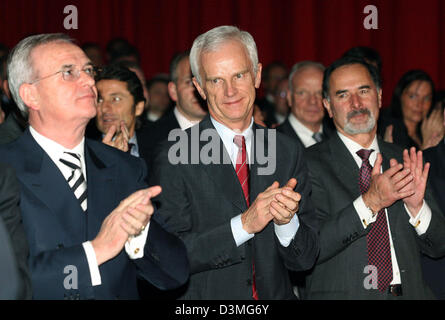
(20, 68)
(212, 39)
(301, 65)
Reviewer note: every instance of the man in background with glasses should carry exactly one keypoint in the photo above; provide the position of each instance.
(86, 210)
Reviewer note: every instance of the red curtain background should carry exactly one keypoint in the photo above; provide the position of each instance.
(409, 34)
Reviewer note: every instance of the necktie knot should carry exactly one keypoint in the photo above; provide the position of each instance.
(317, 136)
(71, 160)
(240, 141)
(364, 154)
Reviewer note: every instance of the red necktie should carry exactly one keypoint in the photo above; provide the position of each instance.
(242, 171)
(379, 251)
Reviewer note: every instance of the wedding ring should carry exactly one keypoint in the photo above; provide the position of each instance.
(142, 228)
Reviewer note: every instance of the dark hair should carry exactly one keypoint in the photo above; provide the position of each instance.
(177, 58)
(162, 78)
(120, 73)
(119, 48)
(89, 45)
(274, 64)
(404, 82)
(3, 68)
(368, 54)
(344, 61)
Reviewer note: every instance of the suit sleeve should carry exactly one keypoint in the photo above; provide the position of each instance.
(10, 212)
(336, 230)
(165, 263)
(303, 250)
(209, 248)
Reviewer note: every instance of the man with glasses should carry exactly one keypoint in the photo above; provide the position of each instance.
(86, 210)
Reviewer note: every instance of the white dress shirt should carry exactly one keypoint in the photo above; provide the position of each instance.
(422, 220)
(184, 123)
(305, 134)
(285, 233)
(134, 247)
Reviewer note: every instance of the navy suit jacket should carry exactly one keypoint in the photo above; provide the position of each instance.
(56, 226)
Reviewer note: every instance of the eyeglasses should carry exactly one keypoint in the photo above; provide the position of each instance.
(71, 74)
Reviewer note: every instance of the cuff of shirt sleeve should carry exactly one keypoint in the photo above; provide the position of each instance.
(365, 214)
(135, 245)
(239, 234)
(422, 221)
(286, 232)
(96, 280)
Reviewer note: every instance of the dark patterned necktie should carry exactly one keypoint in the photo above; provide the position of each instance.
(379, 251)
(76, 180)
(317, 136)
(242, 171)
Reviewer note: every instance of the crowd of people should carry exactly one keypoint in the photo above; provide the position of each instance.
(349, 202)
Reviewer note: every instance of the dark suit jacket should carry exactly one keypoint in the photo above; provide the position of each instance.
(434, 269)
(15, 281)
(56, 226)
(10, 129)
(151, 136)
(339, 273)
(198, 202)
(288, 130)
(9, 276)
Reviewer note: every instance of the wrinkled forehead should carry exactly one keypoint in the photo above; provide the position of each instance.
(51, 57)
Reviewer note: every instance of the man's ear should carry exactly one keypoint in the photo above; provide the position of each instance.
(29, 95)
(379, 95)
(172, 91)
(327, 105)
(139, 108)
(258, 75)
(289, 97)
(200, 90)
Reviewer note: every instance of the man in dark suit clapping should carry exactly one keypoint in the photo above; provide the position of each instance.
(375, 214)
(245, 222)
(88, 217)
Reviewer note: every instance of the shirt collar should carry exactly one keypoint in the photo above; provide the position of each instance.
(227, 136)
(353, 147)
(184, 123)
(53, 148)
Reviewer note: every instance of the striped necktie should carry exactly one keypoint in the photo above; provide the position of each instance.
(242, 172)
(76, 180)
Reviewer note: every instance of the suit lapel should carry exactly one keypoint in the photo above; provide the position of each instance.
(223, 174)
(344, 165)
(48, 185)
(101, 178)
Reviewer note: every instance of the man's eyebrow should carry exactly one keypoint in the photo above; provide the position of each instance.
(365, 86)
(67, 66)
(340, 92)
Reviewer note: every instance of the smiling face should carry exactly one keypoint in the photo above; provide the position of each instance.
(53, 100)
(305, 98)
(416, 101)
(228, 84)
(115, 103)
(354, 100)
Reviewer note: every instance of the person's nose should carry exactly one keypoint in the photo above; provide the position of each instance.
(230, 89)
(356, 101)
